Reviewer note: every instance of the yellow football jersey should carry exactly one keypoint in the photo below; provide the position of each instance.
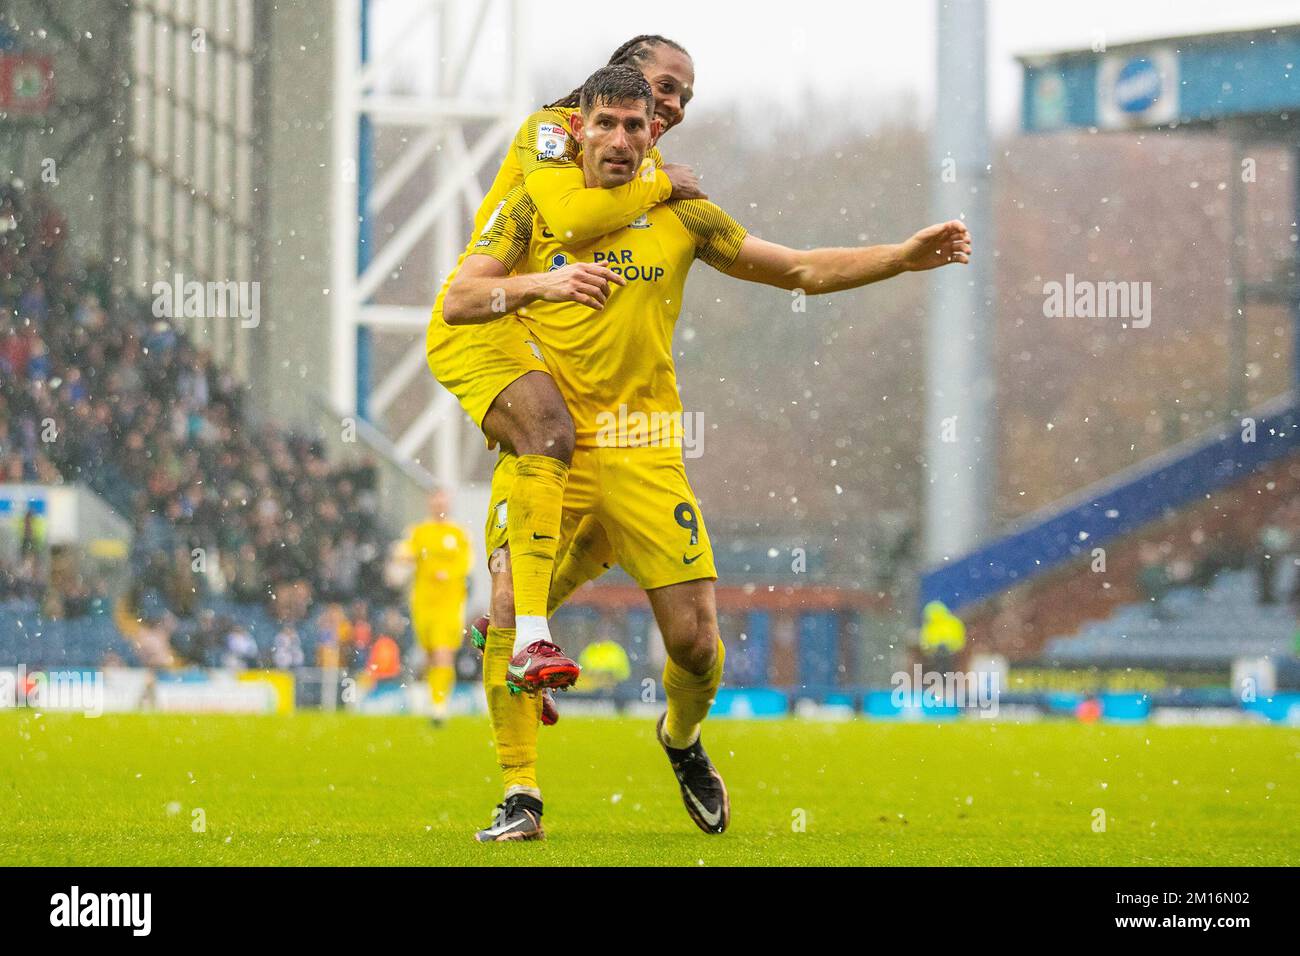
(442, 557)
(615, 367)
(543, 158)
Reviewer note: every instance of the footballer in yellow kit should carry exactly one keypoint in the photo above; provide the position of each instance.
(605, 324)
(615, 370)
(497, 371)
(476, 362)
(442, 557)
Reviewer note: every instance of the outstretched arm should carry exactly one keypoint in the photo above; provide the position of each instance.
(818, 271)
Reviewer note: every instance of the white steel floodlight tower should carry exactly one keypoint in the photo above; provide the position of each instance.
(459, 118)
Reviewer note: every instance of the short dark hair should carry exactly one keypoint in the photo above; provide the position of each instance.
(616, 84)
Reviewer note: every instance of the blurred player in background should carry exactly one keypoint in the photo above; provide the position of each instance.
(438, 554)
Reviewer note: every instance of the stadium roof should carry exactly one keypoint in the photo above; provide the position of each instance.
(1031, 57)
(1203, 79)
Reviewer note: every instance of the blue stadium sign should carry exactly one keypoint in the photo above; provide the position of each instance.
(1138, 86)
(1201, 80)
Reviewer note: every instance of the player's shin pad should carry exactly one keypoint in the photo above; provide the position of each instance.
(533, 529)
(689, 698)
(514, 716)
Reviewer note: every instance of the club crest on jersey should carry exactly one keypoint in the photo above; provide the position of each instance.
(552, 140)
(558, 261)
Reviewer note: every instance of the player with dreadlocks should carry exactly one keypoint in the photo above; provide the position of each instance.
(498, 372)
(630, 475)
(640, 52)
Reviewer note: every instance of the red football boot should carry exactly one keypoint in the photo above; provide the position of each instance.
(478, 637)
(541, 665)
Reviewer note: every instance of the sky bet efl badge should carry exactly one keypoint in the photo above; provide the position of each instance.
(551, 140)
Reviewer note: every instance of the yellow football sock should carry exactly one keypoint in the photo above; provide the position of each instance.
(514, 716)
(689, 698)
(533, 530)
(441, 680)
(588, 557)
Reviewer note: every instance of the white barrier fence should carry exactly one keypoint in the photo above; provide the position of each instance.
(93, 692)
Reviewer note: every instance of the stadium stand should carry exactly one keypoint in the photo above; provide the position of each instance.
(1189, 630)
(1187, 560)
(245, 535)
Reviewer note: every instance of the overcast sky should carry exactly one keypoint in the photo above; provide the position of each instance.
(779, 49)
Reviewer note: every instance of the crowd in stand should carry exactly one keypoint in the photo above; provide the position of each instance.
(330, 635)
(1272, 554)
(220, 509)
(1276, 546)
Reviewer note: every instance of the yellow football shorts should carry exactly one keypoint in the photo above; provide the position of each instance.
(641, 498)
(439, 624)
(476, 362)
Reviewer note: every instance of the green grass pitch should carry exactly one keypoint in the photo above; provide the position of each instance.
(338, 790)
